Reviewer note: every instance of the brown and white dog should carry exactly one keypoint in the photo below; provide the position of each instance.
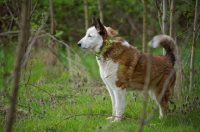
(123, 67)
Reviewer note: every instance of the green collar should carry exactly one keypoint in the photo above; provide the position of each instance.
(104, 47)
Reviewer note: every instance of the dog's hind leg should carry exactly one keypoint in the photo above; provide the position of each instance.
(163, 95)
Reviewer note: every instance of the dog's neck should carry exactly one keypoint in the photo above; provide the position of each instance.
(105, 45)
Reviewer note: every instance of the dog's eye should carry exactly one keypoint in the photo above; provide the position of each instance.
(89, 35)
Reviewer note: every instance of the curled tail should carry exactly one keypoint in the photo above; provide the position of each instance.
(168, 44)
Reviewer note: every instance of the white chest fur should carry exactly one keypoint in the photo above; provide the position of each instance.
(107, 68)
(108, 71)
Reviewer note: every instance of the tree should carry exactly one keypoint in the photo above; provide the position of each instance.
(193, 45)
(164, 20)
(100, 10)
(144, 40)
(86, 14)
(172, 6)
(53, 28)
(22, 42)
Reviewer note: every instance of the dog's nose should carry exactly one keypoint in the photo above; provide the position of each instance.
(79, 44)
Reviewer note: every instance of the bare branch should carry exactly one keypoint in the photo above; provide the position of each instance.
(33, 10)
(11, 14)
(146, 86)
(188, 3)
(26, 56)
(160, 96)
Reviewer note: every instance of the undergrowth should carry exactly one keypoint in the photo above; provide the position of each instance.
(71, 97)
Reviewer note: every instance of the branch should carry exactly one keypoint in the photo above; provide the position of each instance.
(11, 14)
(188, 3)
(160, 96)
(33, 10)
(26, 56)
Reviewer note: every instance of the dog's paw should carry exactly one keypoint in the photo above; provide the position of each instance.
(117, 119)
(110, 118)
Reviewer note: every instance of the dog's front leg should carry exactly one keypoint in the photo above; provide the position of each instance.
(113, 103)
(112, 99)
(119, 96)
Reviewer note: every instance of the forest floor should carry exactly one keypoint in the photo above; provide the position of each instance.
(67, 97)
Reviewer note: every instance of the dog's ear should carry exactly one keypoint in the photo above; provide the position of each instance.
(100, 27)
(112, 32)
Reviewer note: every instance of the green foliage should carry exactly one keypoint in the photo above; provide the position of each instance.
(70, 96)
(57, 101)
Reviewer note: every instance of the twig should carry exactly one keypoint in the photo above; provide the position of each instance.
(188, 3)
(48, 94)
(146, 85)
(33, 10)
(11, 13)
(78, 115)
(160, 96)
(26, 56)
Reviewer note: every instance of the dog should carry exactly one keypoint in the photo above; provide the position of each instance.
(123, 67)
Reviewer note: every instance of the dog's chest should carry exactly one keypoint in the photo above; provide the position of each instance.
(107, 68)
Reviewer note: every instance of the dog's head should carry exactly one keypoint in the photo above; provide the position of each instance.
(96, 35)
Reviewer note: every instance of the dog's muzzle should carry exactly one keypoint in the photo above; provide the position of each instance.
(79, 44)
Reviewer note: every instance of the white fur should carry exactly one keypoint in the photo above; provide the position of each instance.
(108, 32)
(91, 40)
(126, 43)
(108, 71)
(155, 42)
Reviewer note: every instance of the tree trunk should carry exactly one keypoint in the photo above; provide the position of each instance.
(100, 10)
(172, 34)
(22, 42)
(144, 40)
(148, 72)
(86, 14)
(193, 46)
(53, 28)
(164, 20)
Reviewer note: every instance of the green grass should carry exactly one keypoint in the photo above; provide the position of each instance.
(56, 100)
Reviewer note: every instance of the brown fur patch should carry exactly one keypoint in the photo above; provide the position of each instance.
(132, 69)
(112, 31)
(120, 39)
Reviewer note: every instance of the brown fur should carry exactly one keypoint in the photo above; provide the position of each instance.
(132, 69)
(132, 66)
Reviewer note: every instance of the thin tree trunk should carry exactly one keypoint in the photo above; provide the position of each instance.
(148, 70)
(172, 34)
(144, 40)
(193, 46)
(53, 28)
(145, 88)
(100, 10)
(22, 42)
(86, 14)
(164, 20)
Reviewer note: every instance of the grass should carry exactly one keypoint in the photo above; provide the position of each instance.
(56, 99)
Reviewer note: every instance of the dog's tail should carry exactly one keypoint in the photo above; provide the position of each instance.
(168, 44)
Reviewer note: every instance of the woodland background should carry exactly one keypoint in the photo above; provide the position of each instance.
(49, 84)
